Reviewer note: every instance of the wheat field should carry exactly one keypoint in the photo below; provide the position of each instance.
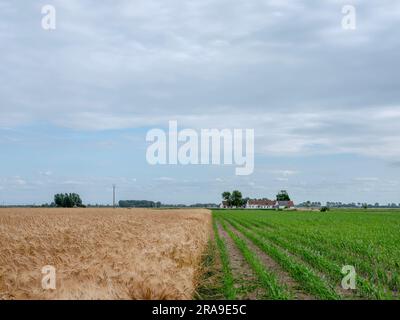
(102, 253)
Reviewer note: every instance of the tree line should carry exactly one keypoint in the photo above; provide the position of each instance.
(139, 204)
(158, 204)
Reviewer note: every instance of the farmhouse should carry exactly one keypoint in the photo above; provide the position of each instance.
(268, 204)
(224, 205)
(282, 201)
(284, 204)
(260, 204)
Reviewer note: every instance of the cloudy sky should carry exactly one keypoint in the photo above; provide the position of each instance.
(76, 102)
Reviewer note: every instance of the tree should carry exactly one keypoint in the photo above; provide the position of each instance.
(58, 200)
(75, 200)
(365, 206)
(236, 198)
(227, 197)
(282, 196)
(68, 200)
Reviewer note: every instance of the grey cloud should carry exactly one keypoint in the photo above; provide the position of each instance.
(285, 68)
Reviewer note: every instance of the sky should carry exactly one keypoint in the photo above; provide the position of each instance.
(77, 102)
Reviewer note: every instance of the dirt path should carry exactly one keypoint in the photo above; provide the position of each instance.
(246, 282)
(283, 277)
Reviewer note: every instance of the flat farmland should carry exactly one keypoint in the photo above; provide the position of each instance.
(301, 254)
(102, 253)
(191, 253)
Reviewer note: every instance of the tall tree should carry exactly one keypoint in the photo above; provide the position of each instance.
(282, 196)
(59, 200)
(227, 197)
(236, 198)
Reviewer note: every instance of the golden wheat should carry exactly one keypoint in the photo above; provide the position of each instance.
(102, 253)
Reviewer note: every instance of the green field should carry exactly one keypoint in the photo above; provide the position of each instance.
(263, 254)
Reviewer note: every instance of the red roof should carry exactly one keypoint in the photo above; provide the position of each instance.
(288, 204)
(261, 202)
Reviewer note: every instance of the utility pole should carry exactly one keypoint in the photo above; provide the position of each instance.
(114, 196)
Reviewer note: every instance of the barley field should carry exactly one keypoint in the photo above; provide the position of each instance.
(301, 254)
(102, 253)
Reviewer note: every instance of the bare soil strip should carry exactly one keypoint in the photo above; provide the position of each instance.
(283, 277)
(241, 270)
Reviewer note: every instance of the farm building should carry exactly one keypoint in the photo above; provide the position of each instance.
(260, 204)
(268, 204)
(224, 205)
(284, 204)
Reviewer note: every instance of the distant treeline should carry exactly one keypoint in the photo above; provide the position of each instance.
(139, 204)
(153, 204)
(330, 204)
(196, 205)
(125, 204)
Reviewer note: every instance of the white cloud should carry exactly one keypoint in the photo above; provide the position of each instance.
(164, 179)
(367, 179)
(73, 182)
(47, 173)
(19, 181)
(283, 68)
(285, 172)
